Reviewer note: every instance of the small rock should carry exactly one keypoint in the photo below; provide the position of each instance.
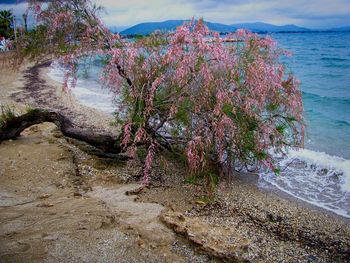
(181, 217)
(45, 196)
(45, 205)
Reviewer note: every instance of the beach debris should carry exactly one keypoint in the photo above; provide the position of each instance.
(135, 191)
(45, 205)
(44, 196)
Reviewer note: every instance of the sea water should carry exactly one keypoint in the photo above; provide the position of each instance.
(320, 173)
(88, 89)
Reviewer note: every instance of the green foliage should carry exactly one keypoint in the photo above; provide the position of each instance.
(6, 23)
(141, 153)
(261, 155)
(208, 177)
(34, 41)
(228, 110)
(204, 200)
(177, 156)
(281, 128)
(277, 170)
(29, 109)
(152, 41)
(7, 113)
(183, 112)
(213, 180)
(193, 180)
(272, 107)
(291, 119)
(138, 37)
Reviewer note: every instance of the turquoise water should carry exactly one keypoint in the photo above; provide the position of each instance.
(319, 174)
(322, 63)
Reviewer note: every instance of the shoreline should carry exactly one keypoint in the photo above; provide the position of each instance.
(60, 203)
(251, 179)
(70, 101)
(277, 218)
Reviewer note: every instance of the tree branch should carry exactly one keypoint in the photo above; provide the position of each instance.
(14, 126)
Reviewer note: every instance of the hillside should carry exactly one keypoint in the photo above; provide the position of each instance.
(169, 25)
(264, 27)
(341, 29)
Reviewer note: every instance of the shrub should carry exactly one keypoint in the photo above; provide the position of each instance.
(218, 103)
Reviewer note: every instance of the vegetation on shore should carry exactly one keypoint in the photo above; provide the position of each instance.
(252, 226)
(6, 23)
(221, 106)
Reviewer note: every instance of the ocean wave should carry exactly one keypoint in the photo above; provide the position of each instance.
(336, 210)
(88, 91)
(321, 160)
(314, 177)
(333, 66)
(313, 114)
(334, 59)
(343, 122)
(309, 95)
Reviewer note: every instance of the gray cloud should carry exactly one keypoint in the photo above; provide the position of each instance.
(313, 13)
(309, 13)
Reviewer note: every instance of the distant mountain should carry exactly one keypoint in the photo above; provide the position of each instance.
(220, 27)
(149, 27)
(264, 27)
(118, 29)
(258, 27)
(169, 25)
(341, 29)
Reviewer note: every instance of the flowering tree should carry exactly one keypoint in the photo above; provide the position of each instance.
(190, 92)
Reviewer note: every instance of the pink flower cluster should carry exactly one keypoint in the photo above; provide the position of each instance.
(224, 102)
(152, 149)
(211, 94)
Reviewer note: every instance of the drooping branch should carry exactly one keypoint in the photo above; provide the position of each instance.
(108, 144)
(13, 127)
(207, 98)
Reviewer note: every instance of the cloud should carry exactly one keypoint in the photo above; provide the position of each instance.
(135, 11)
(314, 13)
(309, 13)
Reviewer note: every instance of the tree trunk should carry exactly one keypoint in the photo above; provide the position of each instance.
(14, 126)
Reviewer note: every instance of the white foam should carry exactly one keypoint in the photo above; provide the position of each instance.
(88, 91)
(314, 177)
(324, 161)
(336, 210)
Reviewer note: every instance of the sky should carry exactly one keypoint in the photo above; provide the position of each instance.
(308, 13)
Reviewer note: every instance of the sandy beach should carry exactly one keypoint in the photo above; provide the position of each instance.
(60, 203)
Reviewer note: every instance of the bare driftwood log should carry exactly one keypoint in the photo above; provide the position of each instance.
(14, 126)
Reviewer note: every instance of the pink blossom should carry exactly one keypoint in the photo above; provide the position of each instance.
(127, 135)
(207, 96)
(148, 163)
